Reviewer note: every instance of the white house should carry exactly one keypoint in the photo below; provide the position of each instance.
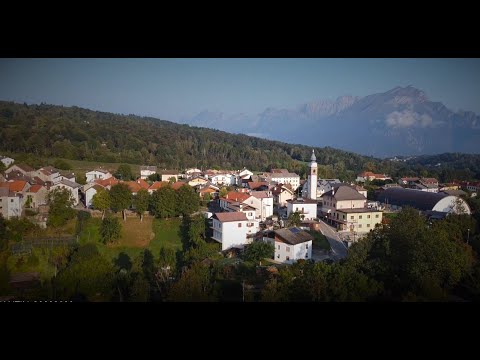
(6, 160)
(71, 186)
(146, 171)
(11, 204)
(281, 194)
(233, 229)
(36, 196)
(223, 179)
(263, 202)
(306, 207)
(283, 177)
(291, 244)
(48, 174)
(97, 174)
(89, 190)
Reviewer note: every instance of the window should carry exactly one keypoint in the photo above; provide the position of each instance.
(359, 226)
(306, 256)
(344, 217)
(288, 258)
(352, 217)
(288, 248)
(306, 246)
(368, 216)
(368, 225)
(278, 256)
(359, 216)
(249, 214)
(11, 200)
(376, 216)
(278, 247)
(239, 224)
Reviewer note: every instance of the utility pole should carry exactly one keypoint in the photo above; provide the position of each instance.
(468, 236)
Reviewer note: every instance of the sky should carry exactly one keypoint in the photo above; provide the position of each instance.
(176, 89)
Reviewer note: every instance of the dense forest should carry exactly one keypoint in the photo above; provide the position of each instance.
(48, 131)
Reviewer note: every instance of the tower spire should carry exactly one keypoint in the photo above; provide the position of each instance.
(313, 157)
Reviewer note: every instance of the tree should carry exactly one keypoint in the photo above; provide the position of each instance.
(154, 177)
(172, 179)
(120, 198)
(110, 229)
(223, 192)
(195, 285)
(163, 202)
(101, 201)
(187, 200)
(258, 250)
(81, 179)
(141, 201)
(207, 197)
(62, 165)
(2, 167)
(294, 219)
(60, 204)
(124, 172)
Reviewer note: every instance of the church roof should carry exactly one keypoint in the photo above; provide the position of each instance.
(313, 158)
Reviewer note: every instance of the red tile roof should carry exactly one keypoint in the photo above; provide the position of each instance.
(231, 216)
(256, 184)
(157, 185)
(133, 186)
(35, 188)
(178, 185)
(237, 196)
(105, 182)
(17, 185)
(143, 184)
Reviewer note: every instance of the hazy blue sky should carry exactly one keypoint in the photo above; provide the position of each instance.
(176, 88)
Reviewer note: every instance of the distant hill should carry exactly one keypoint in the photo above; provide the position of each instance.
(82, 134)
(401, 121)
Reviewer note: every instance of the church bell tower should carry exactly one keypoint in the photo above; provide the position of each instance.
(312, 177)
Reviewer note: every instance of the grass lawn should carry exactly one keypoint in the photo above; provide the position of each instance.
(151, 234)
(84, 166)
(166, 235)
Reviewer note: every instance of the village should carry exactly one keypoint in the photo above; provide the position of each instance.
(275, 207)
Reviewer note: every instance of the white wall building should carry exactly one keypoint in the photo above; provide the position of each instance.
(263, 202)
(70, 186)
(312, 178)
(284, 178)
(291, 245)
(11, 204)
(223, 179)
(233, 229)
(306, 207)
(146, 171)
(97, 174)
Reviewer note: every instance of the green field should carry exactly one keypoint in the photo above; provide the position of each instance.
(149, 234)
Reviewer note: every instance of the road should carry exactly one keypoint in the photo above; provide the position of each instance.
(339, 250)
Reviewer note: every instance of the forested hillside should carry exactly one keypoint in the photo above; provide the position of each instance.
(81, 134)
(50, 131)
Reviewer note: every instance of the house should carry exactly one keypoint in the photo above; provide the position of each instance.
(291, 244)
(223, 179)
(107, 183)
(347, 209)
(249, 211)
(281, 194)
(233, 229)
(234, 196)
(209, 190)
(192, 173)
(11, 204)
(177, 185)
(89, 190)
(24, 169)
(471, 186)
(70, 176)
(396, 199)
(306, 207)
(133, 186)
(197, 181)
(257, 185)
(96, 174)
(17, 186)
(48, 174)
(167, 174)
(282, 176)
(369, 176)
(71, 186)
(36, 196)
(245, 173)
(7, 161)
(408, 180)
(157, 185)
(263, 202)
(146, 171)
(448, 186)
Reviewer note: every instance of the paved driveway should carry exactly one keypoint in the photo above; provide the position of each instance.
(339, 250)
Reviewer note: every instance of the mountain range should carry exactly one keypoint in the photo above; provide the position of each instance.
(401, 121)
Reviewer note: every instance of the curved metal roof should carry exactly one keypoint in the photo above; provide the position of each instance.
(421, 200)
